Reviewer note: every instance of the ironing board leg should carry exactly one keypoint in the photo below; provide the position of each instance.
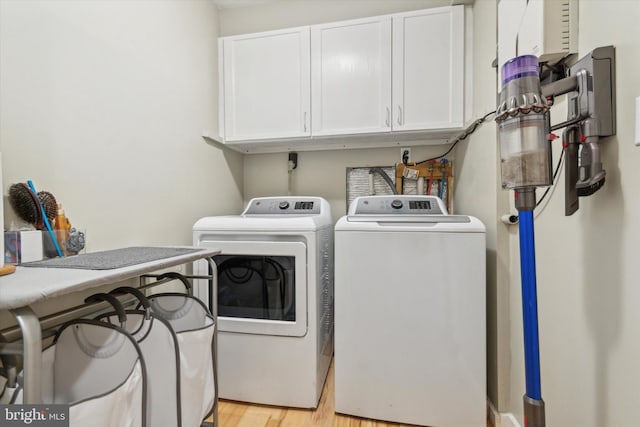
(213, 302)
(32, 352)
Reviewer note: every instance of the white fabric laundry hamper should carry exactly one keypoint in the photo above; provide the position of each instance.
(98, 370)
(194, 327)
(159, 346)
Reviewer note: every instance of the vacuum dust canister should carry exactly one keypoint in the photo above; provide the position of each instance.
(523, 126)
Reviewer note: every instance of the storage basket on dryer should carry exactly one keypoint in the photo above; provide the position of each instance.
(195, 327)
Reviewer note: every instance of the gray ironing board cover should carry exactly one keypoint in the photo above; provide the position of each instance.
(32, 284)
(106, 260)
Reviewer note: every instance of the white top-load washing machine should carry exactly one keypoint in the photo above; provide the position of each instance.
(274, 299)
(410, 313)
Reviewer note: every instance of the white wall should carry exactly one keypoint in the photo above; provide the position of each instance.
(587, 263)
(478, 194)
(321, 173)
(292, 13)
(103, 103)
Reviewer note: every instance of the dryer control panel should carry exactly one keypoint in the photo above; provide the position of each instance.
(283, 206)
(397, 205)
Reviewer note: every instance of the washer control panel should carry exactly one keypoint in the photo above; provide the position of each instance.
(397, 205)
(283, 206)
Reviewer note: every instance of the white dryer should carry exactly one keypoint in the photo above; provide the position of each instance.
(410, 313)
(274, 299)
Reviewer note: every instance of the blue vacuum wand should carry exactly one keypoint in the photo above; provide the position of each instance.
(533, 403)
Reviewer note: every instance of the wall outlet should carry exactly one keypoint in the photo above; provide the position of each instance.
(405, 155)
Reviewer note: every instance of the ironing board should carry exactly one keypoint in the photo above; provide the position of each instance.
(29, 285)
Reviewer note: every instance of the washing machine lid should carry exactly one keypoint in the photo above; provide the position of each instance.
(268, 214)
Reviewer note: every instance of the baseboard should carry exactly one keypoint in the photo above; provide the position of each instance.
(498, 419)
(492, 415)
(508, 420)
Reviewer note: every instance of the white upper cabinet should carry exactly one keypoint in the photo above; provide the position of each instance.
(351, 77)
(428, 69)
(381, 79)
(266, 85)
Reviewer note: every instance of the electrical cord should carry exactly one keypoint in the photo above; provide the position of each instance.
(461, 136)
(552, 190)
(471, 129)
(291, 167)
(555, 174)
(557, 170)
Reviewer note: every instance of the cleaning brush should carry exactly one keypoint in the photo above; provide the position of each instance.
(25, 204)
(49, 204)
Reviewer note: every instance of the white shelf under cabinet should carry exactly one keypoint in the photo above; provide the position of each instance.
(342, 142)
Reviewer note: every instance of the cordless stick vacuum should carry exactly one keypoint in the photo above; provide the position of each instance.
(525, 151)
(524, 134)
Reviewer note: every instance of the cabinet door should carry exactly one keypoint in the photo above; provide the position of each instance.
(266, 85)
(428, 69)
(351, 76)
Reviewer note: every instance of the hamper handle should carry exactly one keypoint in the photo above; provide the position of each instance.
(177, 276)
(142, 298)
(122, 290)
(122, 315)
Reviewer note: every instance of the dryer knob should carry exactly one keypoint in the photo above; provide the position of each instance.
(283, 205)
(396, 204)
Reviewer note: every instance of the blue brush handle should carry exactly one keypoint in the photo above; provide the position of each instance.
(46, 220)
(443, 181)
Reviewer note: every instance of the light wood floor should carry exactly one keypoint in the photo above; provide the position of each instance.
(237, 414)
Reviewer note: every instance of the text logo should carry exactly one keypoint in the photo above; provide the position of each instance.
(34, 415)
